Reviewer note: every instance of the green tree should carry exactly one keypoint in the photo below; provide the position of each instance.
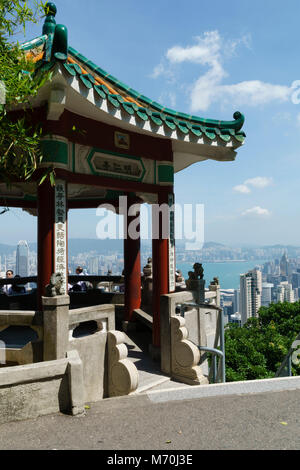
(256, 350)
(19, 142)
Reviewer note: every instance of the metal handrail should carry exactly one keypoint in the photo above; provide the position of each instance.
(215, 352)
(287, 361)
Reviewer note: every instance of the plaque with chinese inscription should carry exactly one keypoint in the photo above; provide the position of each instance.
(60, 262)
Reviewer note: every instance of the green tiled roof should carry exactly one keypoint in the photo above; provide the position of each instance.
(121, 96)
(171, 118)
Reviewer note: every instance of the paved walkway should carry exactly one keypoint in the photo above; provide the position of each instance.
(166, 415)
(255, 421)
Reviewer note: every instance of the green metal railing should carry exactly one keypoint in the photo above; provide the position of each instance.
(285, 370)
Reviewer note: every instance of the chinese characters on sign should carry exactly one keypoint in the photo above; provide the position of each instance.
(172, 267)
(117, 166)
(61, 232)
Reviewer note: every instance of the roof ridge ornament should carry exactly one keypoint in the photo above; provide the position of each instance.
(57, 34)
(50, 23)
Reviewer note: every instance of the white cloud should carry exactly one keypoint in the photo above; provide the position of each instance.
(257, 210)
(242, 188)
(259, 182)
(158, 70)
(168, 98)
(253, 93)
(205, 51)
(210, 51)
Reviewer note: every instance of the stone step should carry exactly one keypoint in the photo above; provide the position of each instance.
(144, 317)
(151, 384)
(150, 375)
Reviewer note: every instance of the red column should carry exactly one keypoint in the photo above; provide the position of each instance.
(52, 235)
(132, 264)
(160, 269)
(46, 219)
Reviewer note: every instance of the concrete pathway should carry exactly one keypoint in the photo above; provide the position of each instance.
(255, 421)
(165, 415)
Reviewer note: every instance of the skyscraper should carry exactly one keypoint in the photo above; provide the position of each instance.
(22, 259)
(296, 279)
(94, 266)
(284, 265)
(250, 294)
(285, 293)
(266, 295)
(236, 301)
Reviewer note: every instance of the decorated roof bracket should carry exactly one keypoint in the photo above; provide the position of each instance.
(56, 103)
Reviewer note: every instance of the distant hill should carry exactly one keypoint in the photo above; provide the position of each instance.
(280, 247)
(80, 245)
(84, 245)
(213, 245)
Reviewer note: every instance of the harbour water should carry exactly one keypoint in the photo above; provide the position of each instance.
(227, 272)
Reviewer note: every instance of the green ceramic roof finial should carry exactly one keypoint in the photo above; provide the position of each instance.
(50, 9)
(60, 43)
(50, 23)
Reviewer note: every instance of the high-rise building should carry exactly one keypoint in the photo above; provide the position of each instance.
(269, 267)
(93, 266)
(285, 292)
(236, 301)
(296, 279)
(266, 294)
(250, 294)
(284, 265)
(22, 259)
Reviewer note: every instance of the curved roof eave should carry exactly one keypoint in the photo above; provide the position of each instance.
(92, 92)
(188, 148)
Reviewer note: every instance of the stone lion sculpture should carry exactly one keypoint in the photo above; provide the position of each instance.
(55, 287)
(198, 270)
(215, 282)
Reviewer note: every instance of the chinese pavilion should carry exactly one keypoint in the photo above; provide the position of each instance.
(106, 140)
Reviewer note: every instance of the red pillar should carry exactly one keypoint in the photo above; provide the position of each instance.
(46, 219)
(52, 235)
(132, 264)
(160, 267)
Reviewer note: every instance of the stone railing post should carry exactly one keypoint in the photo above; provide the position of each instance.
(122, 373)
(185, 355)
(215, 287)
(147, 283)
(56, 326)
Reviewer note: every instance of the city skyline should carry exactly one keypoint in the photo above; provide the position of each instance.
(260, 283)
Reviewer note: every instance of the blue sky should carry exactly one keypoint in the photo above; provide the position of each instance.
(211, 59)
